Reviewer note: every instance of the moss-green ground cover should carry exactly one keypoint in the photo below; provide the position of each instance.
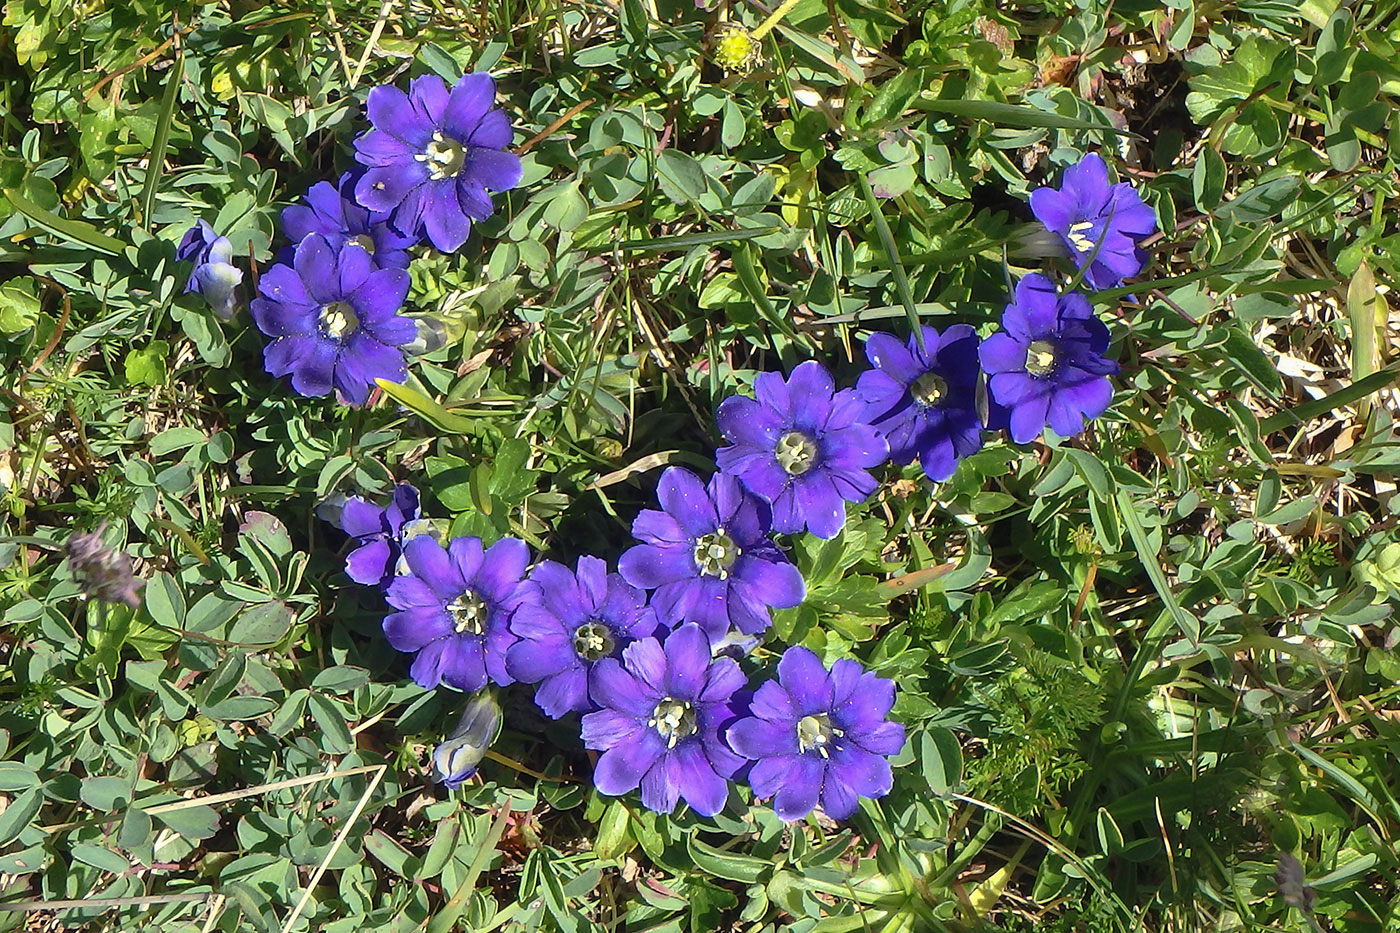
(1147, 674)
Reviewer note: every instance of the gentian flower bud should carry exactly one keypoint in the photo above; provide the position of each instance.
(459, 755)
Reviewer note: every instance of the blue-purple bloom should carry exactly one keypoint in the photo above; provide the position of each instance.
(1047, 364)
(661, 711)
(803, 446)
(331, 211)
(458, 756)
(819, 737)
(1088, 213)
(709, 558)
(575, 621)
(924, 399)
(454, 608)
(434, 155)
(214, 275)
(380, 533)
(335, 320)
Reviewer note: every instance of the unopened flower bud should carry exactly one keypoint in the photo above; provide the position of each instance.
(459, 755)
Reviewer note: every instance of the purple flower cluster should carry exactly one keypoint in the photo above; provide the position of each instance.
(332, 302)
(668, 714)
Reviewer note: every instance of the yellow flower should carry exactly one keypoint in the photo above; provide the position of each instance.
(735, 49)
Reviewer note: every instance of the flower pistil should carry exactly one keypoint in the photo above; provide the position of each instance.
(674, 720)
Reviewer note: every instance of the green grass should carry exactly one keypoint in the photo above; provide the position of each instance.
(1150, 660)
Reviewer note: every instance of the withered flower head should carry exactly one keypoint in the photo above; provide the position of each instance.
(103, 573)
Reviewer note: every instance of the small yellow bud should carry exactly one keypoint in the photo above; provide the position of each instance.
(736, 49)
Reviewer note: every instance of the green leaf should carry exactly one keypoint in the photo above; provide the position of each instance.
(722, 864)
(146, 366)
(164, 601)
(681, 176)
(263, 624)
(940, 756)
(19, 814)
(193, 822)
(1014, 115)
(19, 305)
(335, 734)
(72, 231)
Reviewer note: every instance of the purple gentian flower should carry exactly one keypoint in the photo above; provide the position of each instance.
(331, 211)
(803, 446)
(455, 606)
(1048, 362)
(924, 399)
(335, 319)
(576, 621)
(433, 155)
(214, 275)
(1087, 212)
(661, 711)
(458, 756)
(709, 558)
(819, 737)
(380, 533)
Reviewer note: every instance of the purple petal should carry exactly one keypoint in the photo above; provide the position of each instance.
(688, 659)
(866, 774)
(620, 768)
(503, 567)
(363, 361)
(774, 583)
(759, 738)
(893, 356)
(770, 701)
(772, 392)
(805, 680)
(822, 507)
(446, 224)
(695, 777)
(429, 96)
(413, 629)
(493, 169)
(858, 700)
(532, 660)
(378, 147)
(429, 562)
(369, 563)
(650, 567)
(722, 681)
(313, 373)
(318, 265)
(470, 100)
(1028, 418)
(647, 661)
(676, 601)
(464, 663)
(612, 687)
(493, 132)
(656, 527)
(385, 187)
(563, 693)
(810, 389)
(466, 556)
(1002, 353)
(685, 499)
(607, 729)
(800, 791)
(391, 111)
(770, 774)
(409, 592)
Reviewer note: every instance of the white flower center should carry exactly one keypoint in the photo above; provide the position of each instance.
(468, 613)
(674, 720)
(815, 733)
(338, 319)
(593, 640)
(929, 389)
(444, 157)
(1040, 358)
(715, 553)
(1077, 238)
(796, 453)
